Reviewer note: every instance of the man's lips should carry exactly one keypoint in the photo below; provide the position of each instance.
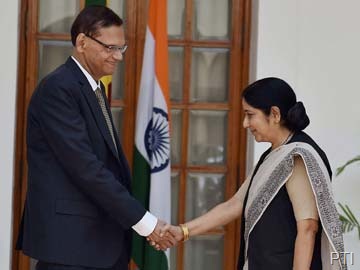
(112, 63)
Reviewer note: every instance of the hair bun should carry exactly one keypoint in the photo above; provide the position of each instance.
(296, 118)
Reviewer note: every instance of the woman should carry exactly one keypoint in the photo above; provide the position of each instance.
(288, 215)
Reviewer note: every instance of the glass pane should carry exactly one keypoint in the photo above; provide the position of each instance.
(118, 82)
(175, 181)
(207, 137)
(203, 192)
(57, 16)
(173, 257)
(176, 70)
(211, 19)
(176, 129)
(204, 253)
(176, 18)
(52, 53)
(209, 75)
(119, 7)
(118, 117)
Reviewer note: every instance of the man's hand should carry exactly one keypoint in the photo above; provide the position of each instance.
(160, 239)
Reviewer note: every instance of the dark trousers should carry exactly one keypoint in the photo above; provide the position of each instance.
(52, 266)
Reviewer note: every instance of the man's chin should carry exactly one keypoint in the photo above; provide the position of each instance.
(110, 69)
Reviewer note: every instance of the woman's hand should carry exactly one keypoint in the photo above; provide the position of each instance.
(175, 232)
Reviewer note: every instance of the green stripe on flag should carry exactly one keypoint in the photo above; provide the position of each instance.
(144, 256)
(140, 190)
(153, 259)
(95, 2)
(141, 179)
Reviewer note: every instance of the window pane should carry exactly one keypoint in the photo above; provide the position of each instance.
(52, 53)
(207, 137)
(211, 19)
(57, 16)
(173, 257)
(118, 82)
(176, 18)
(204, 253)
(176, 128)
(175, 181)
(209, 75)
(119, 7)
(118, 117)
(176, 70)
(203, 192)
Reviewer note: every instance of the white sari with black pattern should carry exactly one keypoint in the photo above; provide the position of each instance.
(268, 181)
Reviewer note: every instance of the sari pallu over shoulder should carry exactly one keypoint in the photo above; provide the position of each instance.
(273, 174)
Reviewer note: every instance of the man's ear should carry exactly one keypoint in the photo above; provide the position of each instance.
(275, 114)
(80, 42)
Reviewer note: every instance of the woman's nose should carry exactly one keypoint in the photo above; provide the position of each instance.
(245, 123)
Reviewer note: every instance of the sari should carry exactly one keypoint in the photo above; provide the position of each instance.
(268, 181)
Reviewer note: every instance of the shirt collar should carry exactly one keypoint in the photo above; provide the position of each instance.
(94, 84)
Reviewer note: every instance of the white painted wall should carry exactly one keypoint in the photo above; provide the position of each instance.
(8, 79)
(315, 46)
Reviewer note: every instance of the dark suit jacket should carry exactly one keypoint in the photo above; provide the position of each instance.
(78, 208)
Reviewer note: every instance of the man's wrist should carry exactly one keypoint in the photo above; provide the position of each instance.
(146, 225)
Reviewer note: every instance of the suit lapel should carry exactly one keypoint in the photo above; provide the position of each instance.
(99, 117)
(93, 104)
(122, 157)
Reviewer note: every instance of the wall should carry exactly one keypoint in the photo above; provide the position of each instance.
(8, 78)
(314, 45)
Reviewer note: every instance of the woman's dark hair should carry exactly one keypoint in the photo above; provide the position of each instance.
(268, 92)
(91, 19)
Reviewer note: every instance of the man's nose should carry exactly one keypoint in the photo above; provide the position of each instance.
(118, 55)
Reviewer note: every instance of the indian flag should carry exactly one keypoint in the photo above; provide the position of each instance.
(151, 182)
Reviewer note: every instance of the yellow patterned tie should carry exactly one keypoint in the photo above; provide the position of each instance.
(101, 101)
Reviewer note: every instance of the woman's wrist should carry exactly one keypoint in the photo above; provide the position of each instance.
(185, 231)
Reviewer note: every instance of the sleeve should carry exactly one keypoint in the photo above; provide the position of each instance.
(66, 133)
(301, 193)
(146, 225)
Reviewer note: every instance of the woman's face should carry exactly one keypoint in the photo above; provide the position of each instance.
(259, 124)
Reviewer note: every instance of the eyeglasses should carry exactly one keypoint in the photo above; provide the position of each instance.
(110, 48)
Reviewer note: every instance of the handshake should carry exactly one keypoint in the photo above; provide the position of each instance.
(166, 235)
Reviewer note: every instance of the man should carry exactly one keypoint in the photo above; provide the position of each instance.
(78, 211)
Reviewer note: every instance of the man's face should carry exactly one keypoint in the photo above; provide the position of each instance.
(99, 60)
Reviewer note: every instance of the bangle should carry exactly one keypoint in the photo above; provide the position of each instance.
(185, 231)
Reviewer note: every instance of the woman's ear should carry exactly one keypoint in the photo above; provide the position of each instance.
(275, 114)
